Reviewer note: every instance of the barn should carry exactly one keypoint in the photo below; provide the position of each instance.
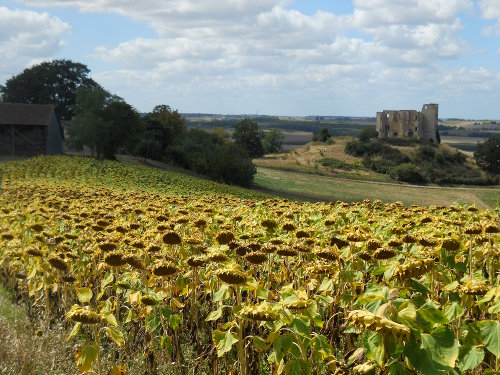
(29, 129)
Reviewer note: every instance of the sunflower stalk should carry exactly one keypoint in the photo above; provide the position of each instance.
(241, 343)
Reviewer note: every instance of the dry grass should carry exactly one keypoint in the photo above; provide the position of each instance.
(22, 351)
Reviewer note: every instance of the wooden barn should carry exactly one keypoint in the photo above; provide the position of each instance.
(29, 129)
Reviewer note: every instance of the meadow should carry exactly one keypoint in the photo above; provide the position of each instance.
(144, 270)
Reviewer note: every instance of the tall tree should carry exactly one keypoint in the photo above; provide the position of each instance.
(273, 141)
(248, 135)
(172, 124)
(104, 123)
(55, 82)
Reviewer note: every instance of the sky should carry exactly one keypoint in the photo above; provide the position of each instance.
(270, 57)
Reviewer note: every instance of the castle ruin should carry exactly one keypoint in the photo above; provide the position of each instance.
(409, 124)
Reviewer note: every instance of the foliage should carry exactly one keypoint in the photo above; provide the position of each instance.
(55, 82)
(407, 172)
(273, 141)
(248, 135)
(191, 280)
(440, 165)
(322, 136)
(487, 154)
(207, 154)
(104, 123)
(367, 133)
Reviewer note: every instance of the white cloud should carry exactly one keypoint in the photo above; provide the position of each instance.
(26, 37)
(491, 10)
(229, 53)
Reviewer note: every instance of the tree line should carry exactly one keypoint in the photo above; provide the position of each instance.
(106, 124)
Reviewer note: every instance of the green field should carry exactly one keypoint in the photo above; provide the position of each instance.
(315, 187)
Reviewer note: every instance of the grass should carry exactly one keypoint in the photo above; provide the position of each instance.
(24, 352)
(314, 187)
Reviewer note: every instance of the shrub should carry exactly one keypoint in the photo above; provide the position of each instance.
(367, 133)
(487, 155)
(209, 155)
(322, 136)
(407, 172)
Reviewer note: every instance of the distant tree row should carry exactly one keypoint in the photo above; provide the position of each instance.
(106, 124)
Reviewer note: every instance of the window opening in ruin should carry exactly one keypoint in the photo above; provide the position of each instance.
(395, 134)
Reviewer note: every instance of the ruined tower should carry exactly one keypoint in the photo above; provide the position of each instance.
(409, 124)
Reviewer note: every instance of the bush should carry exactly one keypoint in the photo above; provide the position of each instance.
(487, 155)
(367, 133)
(322, 136)
(209, 155)
(408, 173)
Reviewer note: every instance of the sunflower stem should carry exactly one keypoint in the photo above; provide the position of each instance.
(241, 343)
(96, 334)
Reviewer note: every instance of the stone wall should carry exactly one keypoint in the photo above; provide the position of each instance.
(409, 124)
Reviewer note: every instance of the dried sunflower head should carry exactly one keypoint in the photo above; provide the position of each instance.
(473, 229)
(289, 226)
(427, 242)
(107, 246)
(134, 261)
(261, 312)
(165, 268)
(34, 251)
(339, 242)
(287, 251)
(475, 288)
(171, 238)
(232, 275)
(373, 244)
(195, 261)
(256, 257)
(384, 253)
(269, 224)
(83, 315)
(331, 253)
(450, 244)
(148, 300)
(224, 237)
(299, 304)
(491, 228)
(58, 262)
(115, 259)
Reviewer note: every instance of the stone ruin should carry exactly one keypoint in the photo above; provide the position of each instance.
(409, 124)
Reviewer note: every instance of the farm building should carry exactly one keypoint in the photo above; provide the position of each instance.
(29, 129)
(409, 124)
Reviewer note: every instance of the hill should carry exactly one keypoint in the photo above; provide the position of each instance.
(382, 161)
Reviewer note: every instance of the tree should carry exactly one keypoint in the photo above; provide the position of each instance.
(248, 135)
(173, 125)
(104, 123)
(367, 133)
(322, 135)
(273, 141)
(55, 82)
(206, 153)
(487, 154)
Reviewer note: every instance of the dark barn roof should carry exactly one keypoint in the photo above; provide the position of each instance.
(25, 114)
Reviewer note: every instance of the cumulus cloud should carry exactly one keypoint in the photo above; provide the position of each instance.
(491, 11)
(27, 37)
(253, 50)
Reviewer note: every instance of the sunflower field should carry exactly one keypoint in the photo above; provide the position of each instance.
(157, 272)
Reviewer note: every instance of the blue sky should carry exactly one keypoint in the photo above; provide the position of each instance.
(276, 57)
